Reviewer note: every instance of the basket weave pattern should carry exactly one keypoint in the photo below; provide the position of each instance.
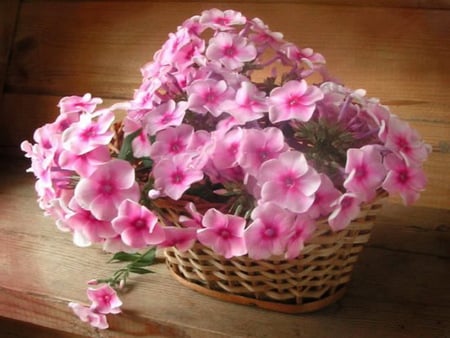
(321, 272)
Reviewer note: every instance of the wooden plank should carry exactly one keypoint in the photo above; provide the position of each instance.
(87, 52)
(16, 329)
(8, 16)
(398, 289)
(430, 4)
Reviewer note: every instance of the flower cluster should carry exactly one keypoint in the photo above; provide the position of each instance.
(229, 132)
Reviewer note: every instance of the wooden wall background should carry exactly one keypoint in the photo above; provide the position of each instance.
(399, 50)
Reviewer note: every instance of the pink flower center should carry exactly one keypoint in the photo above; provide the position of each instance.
(225, 233)
(270, 232)
(176, 147)
(346, 203)
(289, 181)
(139, 223)
(403, 144)
(210, 97)
(167, 118)
(294, 101)
(361, 172)
(107, 189)
(233, 149)
(89, 132)
(222, 21)
(403, 176)
(230, 51)
(106, 299)
(178, 176)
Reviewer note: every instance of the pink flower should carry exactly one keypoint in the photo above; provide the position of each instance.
(208, 96)
(227, 148)
(262, 35)
(90, 316)
(248, 105)
(403, 179)
(324, 198)
(140, 145)
(106, 188)
(137, 225)
(223, 20)
(231, 50)
(84, 164)
(195, 221)
(259, 146)
(167, 114)
(300, 231)
(223, 233)
(172, 141)
(289, 182)
(87, 229)
(88, 134)
(174, 175)
(268, 234)
(181, 238)
(294, 100)
(365, 171)
(75, 104)
(346, 208)
(104, 300)
(405, 141)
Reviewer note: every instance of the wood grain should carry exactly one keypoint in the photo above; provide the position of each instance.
(8, 16)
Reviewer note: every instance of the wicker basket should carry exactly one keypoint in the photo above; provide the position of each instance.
(314, 280)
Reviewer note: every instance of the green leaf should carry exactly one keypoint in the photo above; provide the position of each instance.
(126, 151)
(140, 271)
(148, 257)
(124, 257)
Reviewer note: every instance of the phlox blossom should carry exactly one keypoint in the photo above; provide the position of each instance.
(324, 198)
(262, 35)
(172, 141)
(268, 233)
(294, 100)
(89, 133)
(106, 188)
(175, 174)
(104, 300)
(223, 20)
(140, 145)
(227, 148)
(208, 96)
(181, 238)
(300, 231)
(365, 171)
(223, 233)
(346, 209)
(84, 164)
(90, 316)
(259, 146)
(137, 225)
(78, 104)
(403, 179)
(87, 229)
(167, 114)
(231, 50)
(405, 141)
(249, 104)
(289, 182)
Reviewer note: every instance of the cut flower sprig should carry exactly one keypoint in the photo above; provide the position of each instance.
(236, 139)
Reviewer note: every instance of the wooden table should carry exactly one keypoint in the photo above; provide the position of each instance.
(399, 50)
(400, 287)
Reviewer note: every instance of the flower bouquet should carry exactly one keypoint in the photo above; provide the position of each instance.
(238, 154)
